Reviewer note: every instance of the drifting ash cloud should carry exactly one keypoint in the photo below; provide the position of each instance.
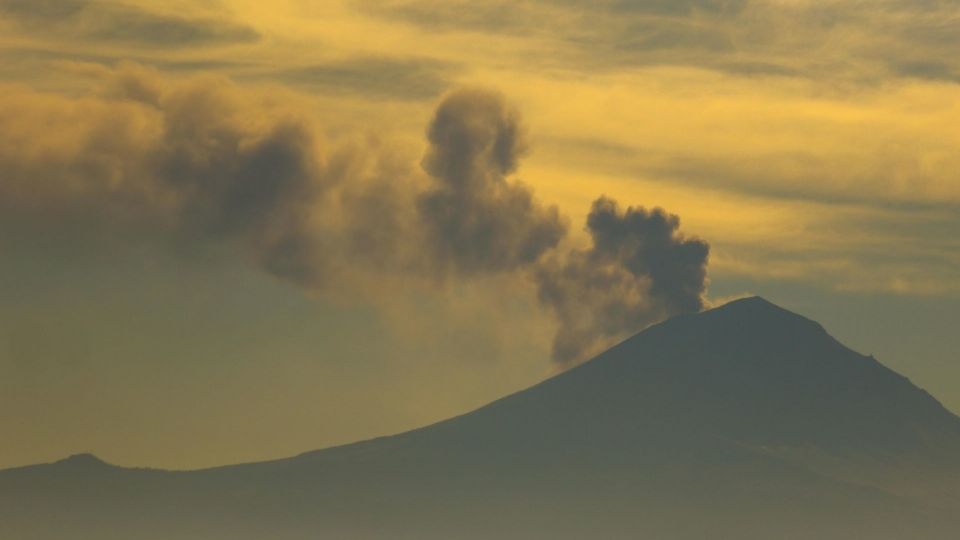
(203, 163)
(638, 271)
(199, 163)
(475, 220)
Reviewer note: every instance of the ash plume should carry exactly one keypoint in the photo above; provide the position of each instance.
(474, 219)
(204, 164)
(639, 270)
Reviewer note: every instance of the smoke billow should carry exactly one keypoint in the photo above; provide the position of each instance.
(638, 271)
(201, 162)
(205, 163)
(475, 220)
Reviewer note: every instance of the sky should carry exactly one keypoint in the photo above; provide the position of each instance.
(235, 230)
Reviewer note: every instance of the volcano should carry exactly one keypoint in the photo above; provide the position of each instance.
(746, 421)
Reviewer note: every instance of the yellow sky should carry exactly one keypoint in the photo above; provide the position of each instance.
(819, 137)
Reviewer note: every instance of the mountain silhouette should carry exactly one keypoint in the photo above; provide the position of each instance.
(745, 421)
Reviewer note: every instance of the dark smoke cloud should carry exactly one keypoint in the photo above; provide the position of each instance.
(206, 166)
(200, 163)
(638, 271)
(251, 185)
(475, 220)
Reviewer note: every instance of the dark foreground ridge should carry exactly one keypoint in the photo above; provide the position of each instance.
(745, 421)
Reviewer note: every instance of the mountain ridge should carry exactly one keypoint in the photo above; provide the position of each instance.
(756, 308)
(748, 416)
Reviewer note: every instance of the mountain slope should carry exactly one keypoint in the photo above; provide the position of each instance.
(746, 421)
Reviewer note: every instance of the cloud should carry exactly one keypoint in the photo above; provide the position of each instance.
(475, 219)
(591, 35)
(42, 10)
(202, 165)
(503, 16)
(122, 23)
(377, 77)
(638, 271)
(496, 17)
(199, 162)
(831, 40)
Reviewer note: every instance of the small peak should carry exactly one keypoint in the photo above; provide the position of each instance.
(750, 301)
(750, 305)
(84, 460)
(760, 315)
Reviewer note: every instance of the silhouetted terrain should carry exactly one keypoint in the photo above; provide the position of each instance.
(746, 421)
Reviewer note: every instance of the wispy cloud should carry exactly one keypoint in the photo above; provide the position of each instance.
(374, 77)
(114, 22)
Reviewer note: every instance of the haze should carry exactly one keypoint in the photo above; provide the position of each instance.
(155, 313)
